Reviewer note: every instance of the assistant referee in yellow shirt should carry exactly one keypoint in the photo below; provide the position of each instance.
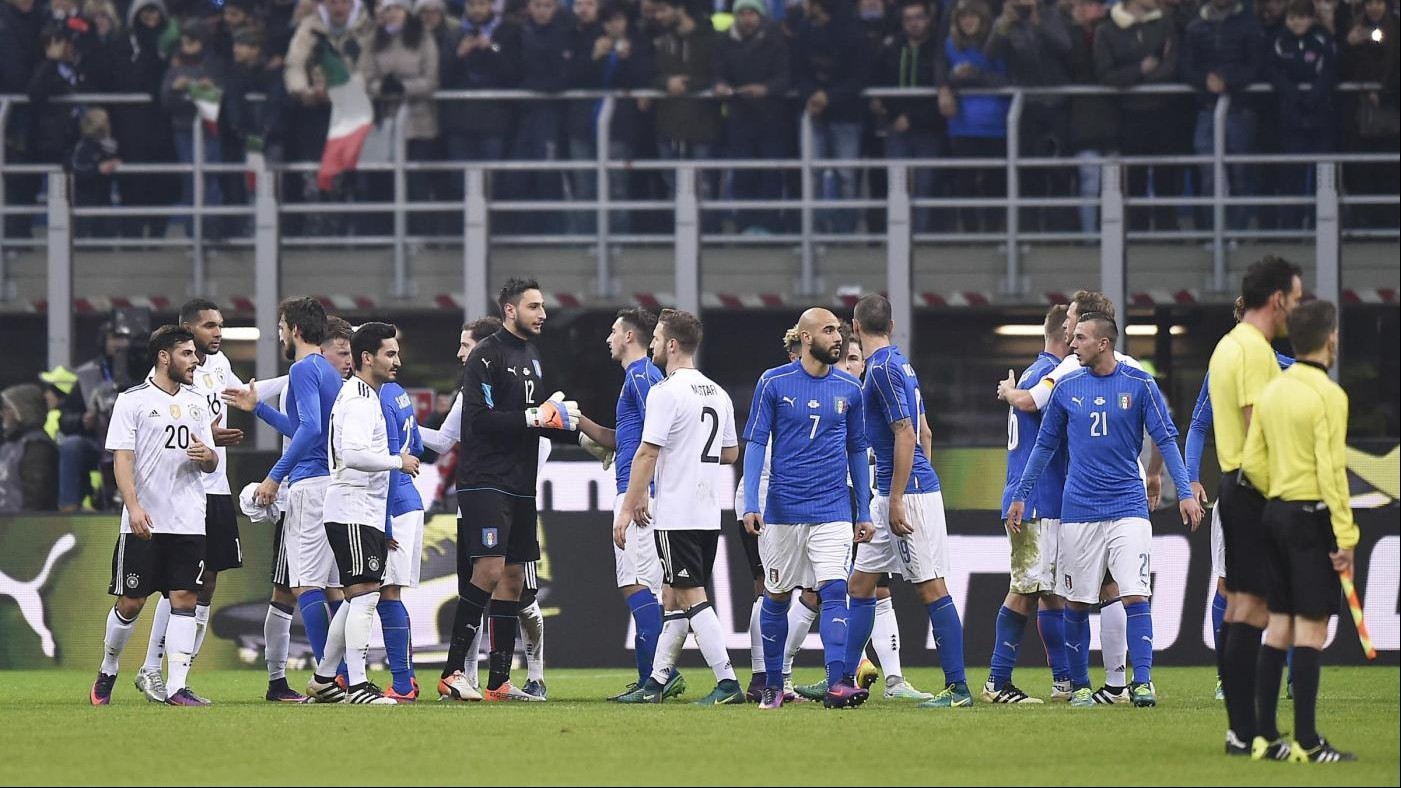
(1296, 452)
(1241, 366)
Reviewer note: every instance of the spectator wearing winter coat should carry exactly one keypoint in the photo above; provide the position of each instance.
(830, 64)
(1138, 46)
(92, 163)
(1303, 54)
(143, 131)
(608, 55)
(194, 81)
(687, 127)
(20, 55)
(1369, 54)
(977, 124)
(1094, 120)
(248, 126)
(914, 127)
(28, 456)
(400, 68)
(1034, 40)
(546, 39)
(484, 52)
(752, 72)
(1221, 55)
(53, 125)
(84, 412)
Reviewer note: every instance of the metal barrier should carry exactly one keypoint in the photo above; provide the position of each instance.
(688, 206)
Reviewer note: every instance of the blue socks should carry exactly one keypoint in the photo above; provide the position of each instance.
(647, 615)
(948, 637)
(859, 624)
(1010, 625)
(1218, 614)
(834, 630)
(773, 629)
(1140, 629)
(1051, 624)
(394, 621)
(316, 619)
(1077, 646)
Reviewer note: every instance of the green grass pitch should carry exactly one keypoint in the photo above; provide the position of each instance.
(52, 736)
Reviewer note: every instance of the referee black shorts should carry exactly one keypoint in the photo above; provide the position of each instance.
(1243, 528)
(221, 546)
(495, 524)
(1297, 563)
(687, 556)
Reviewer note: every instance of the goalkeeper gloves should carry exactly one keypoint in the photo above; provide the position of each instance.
(600, 453)
(556, 413)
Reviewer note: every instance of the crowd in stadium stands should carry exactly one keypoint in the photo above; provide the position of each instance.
(767, 61)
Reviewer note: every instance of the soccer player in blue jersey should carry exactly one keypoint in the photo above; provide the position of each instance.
(1100, 411)
(1033, 576)
(910, 535)
(312, 387)
(638, 570)
(813, 415)
(1202, 424)
(404, 538)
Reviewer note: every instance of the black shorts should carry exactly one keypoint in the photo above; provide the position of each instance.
(222, 548)
(1297, 562)
(687, 557)
(493, 523)
(164, 563)
(750, 542)
(360, 552)
(279, 553)
(1243, 531)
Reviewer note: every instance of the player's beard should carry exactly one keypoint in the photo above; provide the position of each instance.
(289, 351)
(828, 356)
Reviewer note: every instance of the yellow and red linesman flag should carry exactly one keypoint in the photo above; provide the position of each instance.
(1356, 607)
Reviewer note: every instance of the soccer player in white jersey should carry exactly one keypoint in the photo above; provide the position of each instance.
(223, 551)
(687, 434)
(162, 448)
(1113, 621)
(356, 510)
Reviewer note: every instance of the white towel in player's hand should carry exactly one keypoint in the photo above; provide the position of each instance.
(256, 513)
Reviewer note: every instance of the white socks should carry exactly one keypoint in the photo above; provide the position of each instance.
(675, 626)
(1114, 642)
(358, 624)
(800, 618)
(118, 633)
(201, 625)
(756, 641)
(885, 638)
(532, 624)
(277, 639)
(155, 646)
(710, 636)
(469, 662)
(335, 649)
(180, 644)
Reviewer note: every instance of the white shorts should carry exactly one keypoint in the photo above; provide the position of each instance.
(804, 556)
(1034, 557)
(1218, 544)
(919, 557)
(1124, 547)
(402, 565)
(310, 562)
(638, 563)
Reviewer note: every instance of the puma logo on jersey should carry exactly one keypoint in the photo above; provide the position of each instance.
(486, 362)
(1078, 400)
(793, 401)
(29, 594)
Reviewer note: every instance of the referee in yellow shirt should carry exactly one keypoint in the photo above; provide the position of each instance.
(1242, 364)
(1296, 452)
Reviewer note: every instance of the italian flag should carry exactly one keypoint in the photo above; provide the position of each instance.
(352, 117)
(206, 99)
